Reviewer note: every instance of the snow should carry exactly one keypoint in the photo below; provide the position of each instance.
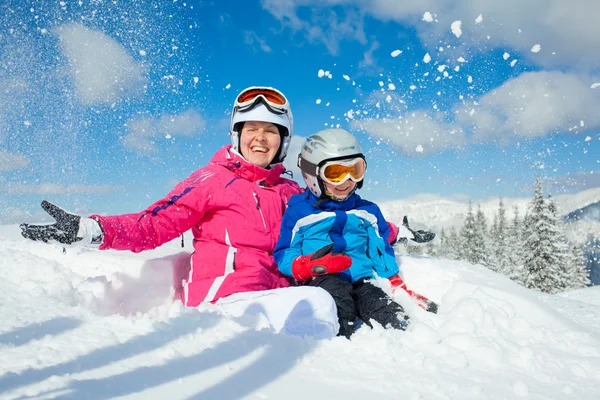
(396, 53)
(102, 324)
(456, 28)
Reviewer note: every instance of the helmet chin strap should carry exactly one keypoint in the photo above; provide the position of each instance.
(334, 198)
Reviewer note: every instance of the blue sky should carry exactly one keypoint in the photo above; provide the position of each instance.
(105, 105)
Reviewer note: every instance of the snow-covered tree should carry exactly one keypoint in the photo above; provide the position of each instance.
(431, 249)
(564, 272)
(499, 260)
(472, 248)
(442, 250)
(543, 258)
(514, 249)
(467, 235)
(482, 237)
(580, 275)
(453, 245)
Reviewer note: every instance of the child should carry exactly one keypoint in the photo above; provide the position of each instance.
(333, 239)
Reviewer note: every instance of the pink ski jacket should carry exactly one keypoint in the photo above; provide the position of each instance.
(234, 210)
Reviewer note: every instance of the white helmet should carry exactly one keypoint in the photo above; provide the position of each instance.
(323, 146)
(264, 104)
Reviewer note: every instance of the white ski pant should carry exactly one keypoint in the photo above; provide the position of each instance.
(300, 311)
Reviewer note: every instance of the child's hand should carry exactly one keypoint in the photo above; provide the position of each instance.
(410, 237)
(321, 262)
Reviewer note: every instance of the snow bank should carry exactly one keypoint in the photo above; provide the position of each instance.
(91, 324)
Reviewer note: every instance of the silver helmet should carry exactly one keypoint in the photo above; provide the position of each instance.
(326, 145)
(265, 104)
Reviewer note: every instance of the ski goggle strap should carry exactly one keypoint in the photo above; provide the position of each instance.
(272, 98)
(338, 172)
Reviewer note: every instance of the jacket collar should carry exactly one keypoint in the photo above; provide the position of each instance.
(232, 160)
(327, 204)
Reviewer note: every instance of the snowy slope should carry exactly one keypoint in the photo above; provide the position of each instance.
(91, 324)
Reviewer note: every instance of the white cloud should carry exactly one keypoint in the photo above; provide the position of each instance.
(12, 161)
(185, 124)
(323, 25)
(531, 105)
(562, 28)
(416, 134)
(103, 71)
(144, 132)
(368, 59)
(579, 181)
(250, 38)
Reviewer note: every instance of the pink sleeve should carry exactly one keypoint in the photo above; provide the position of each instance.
(160, 223)
(393, 233)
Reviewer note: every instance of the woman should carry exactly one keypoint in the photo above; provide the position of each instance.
(234, 207)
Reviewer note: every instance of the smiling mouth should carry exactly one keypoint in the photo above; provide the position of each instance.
(262, 150)
(339, 189)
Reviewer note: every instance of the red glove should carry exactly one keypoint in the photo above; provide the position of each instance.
(321, 262)
(421, 300)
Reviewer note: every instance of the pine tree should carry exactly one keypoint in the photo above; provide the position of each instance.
(542, 262)
(499, 260)
(454, 245)
(431, 249)
(442, 250)
(482, 240)
(564, 273)
(472, 245)
(449, 245)
(514, 249)
(492, 260)
(468, 234)
(580, 275)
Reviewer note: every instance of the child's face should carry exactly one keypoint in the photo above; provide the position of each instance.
(340, 191)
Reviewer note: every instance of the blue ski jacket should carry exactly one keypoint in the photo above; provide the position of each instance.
(355, 226)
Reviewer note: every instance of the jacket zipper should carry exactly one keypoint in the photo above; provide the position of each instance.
(259, 210)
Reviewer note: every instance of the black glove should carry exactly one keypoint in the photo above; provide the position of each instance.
(65, 230)
(418, 238)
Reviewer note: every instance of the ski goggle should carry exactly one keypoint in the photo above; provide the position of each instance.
(273, 99)
(338, 172)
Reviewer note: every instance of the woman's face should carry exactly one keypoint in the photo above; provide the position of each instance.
(340, 191)
(259, 142)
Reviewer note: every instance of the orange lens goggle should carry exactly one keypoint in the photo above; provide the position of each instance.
(270, 95)
(338, 172)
